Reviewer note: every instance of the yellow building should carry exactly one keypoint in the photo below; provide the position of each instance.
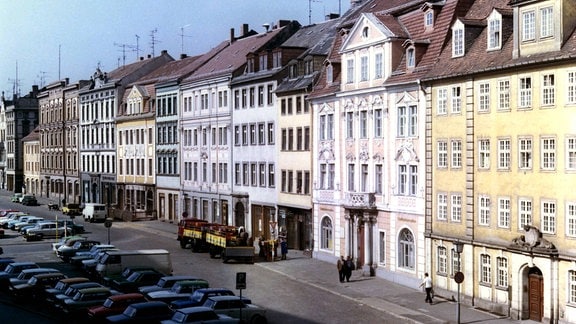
(501, 158)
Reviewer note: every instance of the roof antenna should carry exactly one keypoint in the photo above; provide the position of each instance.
(267, 26)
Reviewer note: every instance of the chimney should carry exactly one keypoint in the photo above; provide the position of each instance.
(164, 52)
(149, 56)
(231, 35)
(183, 56)
(282, 23)
(354, 3)
(332, 16)
(244, 30)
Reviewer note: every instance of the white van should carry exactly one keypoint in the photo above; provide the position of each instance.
(114, 262)
(94, 212)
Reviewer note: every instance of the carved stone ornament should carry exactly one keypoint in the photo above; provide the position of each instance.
(532, 239)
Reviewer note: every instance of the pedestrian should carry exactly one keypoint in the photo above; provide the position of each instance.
(284, 248)
(427, 284)
(340, 265)
(349, 266)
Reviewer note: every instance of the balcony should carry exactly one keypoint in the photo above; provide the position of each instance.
(360, 200)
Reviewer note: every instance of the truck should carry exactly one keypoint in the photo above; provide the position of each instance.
(114, 262)
(190, 231)
(230, 243)
(72, 210)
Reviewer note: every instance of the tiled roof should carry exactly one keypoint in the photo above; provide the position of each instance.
(125, 70)
(477, 59)
(33, 136)
(233, 57)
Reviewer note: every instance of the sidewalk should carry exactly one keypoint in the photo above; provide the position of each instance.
(405, 303)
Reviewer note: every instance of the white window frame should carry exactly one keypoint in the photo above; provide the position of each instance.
(494, 32)
(570, 217)
(504, 212)
(410, 57)
(502, 272)
(364, 68)
(504, 152)
(528, 26)
(442, 101)
(525, 207)
(548, 153)
(484, 154)
(485, 269)
(442, 151)
(504, 95)
(456, 154)
(548, 89)
(548, 215)
(442, 206)
(571, 153)
(456, 208)
(525, 153)
(442, 260)
(456, 102)
(484, 210)
(572, 286)
(525, 92)
(571, 87)
(378, 66)
(546, 22)
(350, 70)
(484, 97)
(458, 41)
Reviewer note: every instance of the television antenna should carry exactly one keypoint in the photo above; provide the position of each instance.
(153, 41)
(15, 83)
(42, 77)
(310, 10)
(182, 36)
(124, 48)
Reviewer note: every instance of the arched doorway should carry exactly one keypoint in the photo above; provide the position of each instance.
(535, 294)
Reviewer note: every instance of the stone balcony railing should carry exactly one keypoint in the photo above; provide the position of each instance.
(360, 200)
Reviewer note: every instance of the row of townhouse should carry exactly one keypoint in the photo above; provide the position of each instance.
(415, 136)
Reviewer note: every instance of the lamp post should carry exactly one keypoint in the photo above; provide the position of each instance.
(458, 276)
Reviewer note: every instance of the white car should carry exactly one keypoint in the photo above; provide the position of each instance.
(233, 306)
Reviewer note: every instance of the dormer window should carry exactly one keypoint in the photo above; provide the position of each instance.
(494, 31)
(250, 65)
(546, 22)
(293, 71)
(458, 40)
(263, 62)
(410, 58)
(329, 74)
(529, 26)
(277, 59)
(429, 19)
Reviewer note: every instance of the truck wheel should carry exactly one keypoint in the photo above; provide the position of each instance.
(258, 319)
(183, 244)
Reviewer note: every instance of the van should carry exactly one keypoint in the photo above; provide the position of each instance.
(94, 212)
(114, 262)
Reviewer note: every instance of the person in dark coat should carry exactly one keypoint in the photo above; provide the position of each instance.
(284, 248)
(340, 266)
(348, 267)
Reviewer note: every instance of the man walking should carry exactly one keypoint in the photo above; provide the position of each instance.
(340, 266)
(427, 284)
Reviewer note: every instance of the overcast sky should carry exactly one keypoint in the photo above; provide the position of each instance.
(48, 40)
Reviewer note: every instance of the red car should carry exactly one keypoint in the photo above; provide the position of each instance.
(114, 305)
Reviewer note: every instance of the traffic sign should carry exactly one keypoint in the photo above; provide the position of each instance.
(459, 277)
(240, 280)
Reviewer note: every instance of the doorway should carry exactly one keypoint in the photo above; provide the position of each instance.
(535, 294)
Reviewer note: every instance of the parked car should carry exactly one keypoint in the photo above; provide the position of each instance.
(4, 262)
(10, 216)
(164, 283)
(13, 270)
(66, 252)
(61, 287)
(91, 254)
(67, 240)
(199, 297)
(114, 305)
(18, 218)
(76, 228)
(72, 290)
(26, 274)
(29, 200)
(137, 279)
(84, 299)
(146, 312)
(181, 290)
(16, 197)
(35, 286)
(199, 314)
(231, 306)
(46, 229)
(30, 221)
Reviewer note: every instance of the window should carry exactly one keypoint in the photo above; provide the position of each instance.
(262, 171)
(270, 94)
(261, 134)
(365, 32)
(572, 286)
(364, 68)
(442, 154)
(485, 269)
(407, 121)
(504, 95)
(378, 66)
(382, 250)
(502, 272)
(456, 100)
(378, 123)
(442, 205)
(571, 153)
(378, 178)
(237, 174)
(456, 261)
(525, 92)
(307, 138)
(351, 185)
(484, 210)
(410, 58)
(548, 90)
(504, 154)
(244, 134)
(504, 212)
(528, 26)
(571, 219)
(484, 96)
(429, 18)
(442, 104)
(331, 175)
(571, 93)
(406, 249)
(458, 42)
(546, 22)
(271, 176)
(322, 127)
(484, 154)
(245, 172)
(548, 217)
(252, 134)
(407, 180)
(456, 207)
(442, 260)
(350, 71)
(326, 234)
(524, 212)
(494, 32)
(364, 178)
(548, 154)
(349, 125)
(270, 133)
(456, 153)
(525, 153)
(363, 124)
(323, 175)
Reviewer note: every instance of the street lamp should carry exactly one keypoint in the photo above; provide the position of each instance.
(458, 276)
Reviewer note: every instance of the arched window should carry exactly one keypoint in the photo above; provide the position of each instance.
(406, 249)
(326, 236)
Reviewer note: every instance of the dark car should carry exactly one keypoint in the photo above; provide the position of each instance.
(61, 287)
(29, 200)
(4, 262)
(36, 285)
(199, 314)
(114, 305)
(181, 290)
(165, 283)
(65, 253)
(26, 274)
(84, 299)
(13, 270)
(147, 312)
(137, 279)
(201, 295)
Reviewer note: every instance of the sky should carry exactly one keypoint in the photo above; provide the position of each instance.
(43, 41)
